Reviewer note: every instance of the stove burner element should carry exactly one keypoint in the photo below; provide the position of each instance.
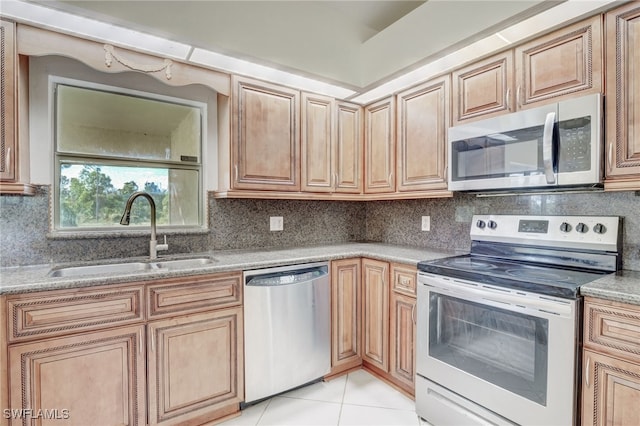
(470, 264)
(556, 276)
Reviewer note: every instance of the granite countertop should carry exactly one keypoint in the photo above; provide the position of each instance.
(27, 279)
(623, 286)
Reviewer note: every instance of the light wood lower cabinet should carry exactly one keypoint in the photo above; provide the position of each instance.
(375, 313)
(611, 391)
(611, 364)
(194, 366)
(345, 315)
(93, 355)
(402, 327)
(92, 378)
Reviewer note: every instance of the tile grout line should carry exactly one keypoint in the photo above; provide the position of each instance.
(344, 391)
(264, 411)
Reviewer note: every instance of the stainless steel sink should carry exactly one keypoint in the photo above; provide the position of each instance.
(184, 263)
(105, 269)
(131, 267)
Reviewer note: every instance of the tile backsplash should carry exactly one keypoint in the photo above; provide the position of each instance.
(239, 223)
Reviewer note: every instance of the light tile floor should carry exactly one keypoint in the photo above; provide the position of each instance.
(354, 399)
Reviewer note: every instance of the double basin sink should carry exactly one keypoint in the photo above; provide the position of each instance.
(132, 267)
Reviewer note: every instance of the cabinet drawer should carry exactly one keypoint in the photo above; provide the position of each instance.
(54, 313)
(612, 328)
(194, 294)
(404, 279)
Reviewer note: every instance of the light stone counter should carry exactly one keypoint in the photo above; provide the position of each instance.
(35, 278)
(623, 286)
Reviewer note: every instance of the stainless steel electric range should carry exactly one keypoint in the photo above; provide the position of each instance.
(499, 329)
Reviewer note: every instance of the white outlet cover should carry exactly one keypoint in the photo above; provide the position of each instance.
(276, 223)
(426, 223)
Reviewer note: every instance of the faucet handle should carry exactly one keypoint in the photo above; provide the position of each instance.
(164, 246)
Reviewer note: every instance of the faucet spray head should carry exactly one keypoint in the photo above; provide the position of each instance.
(126, 217)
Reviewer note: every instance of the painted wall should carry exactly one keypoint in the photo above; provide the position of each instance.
(238, 224)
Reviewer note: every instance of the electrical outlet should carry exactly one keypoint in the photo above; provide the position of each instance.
(276, 223)
(426, 223)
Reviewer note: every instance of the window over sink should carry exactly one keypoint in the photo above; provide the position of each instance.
(111, 142)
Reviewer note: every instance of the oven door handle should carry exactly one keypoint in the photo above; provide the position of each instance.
(547, 148)
(505, 299)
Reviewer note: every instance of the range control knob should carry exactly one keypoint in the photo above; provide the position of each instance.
(565, 227)
(492, 224)
(481, 224)
(599, 228)
(582, 228)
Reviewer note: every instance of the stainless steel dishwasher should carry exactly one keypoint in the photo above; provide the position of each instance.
(287, 322)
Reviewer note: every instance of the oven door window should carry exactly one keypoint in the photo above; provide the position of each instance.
(502, 347)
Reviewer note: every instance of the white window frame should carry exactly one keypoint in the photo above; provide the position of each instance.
(53, 81)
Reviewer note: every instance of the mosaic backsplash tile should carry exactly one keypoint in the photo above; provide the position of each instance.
(239, 223)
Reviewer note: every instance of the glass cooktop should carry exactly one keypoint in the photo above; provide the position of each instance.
(542, 279)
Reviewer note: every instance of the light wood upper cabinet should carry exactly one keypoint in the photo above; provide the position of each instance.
(564, 63)
(622, 100)
(375, 313)
(348, 150)
(97, 376)
(265, 136)
(8, 100)
(611, 363)
(195, 367)
(483, 89)
(14, 102)
(423, 120)
(317, 143)
(331, 145)
(345, 314)
(379, 136)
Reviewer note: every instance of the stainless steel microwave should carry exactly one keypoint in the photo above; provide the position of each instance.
(549, 147)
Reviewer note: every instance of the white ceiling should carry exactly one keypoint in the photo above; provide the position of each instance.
(354, 44)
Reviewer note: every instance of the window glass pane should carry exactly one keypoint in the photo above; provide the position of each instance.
(95, 122)
(94, 195)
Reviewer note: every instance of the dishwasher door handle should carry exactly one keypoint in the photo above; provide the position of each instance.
(288, 278)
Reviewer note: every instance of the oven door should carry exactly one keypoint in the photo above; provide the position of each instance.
(509, 352)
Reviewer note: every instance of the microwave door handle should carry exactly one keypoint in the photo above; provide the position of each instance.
(547, 147)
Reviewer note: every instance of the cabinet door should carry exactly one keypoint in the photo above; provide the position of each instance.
(379, 138)
(622, 100)
(564, 63)
(265, 135)
(375, 313)
(348, 150)
(610, 391)
(483, 89)
(345, 315)
(195, 367)
(423, 120)
(402, 336)
(8, 136)
(89, 379)
(317, 143)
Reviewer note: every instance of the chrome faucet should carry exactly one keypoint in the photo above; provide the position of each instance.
(154, 247)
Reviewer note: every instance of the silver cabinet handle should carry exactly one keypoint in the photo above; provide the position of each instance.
(413, 311)
(547, 147)
(336, 184)
(508, 98)
(586, 371)
(609, 160)
(236, 171)
(518, 104)
(140, 342)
